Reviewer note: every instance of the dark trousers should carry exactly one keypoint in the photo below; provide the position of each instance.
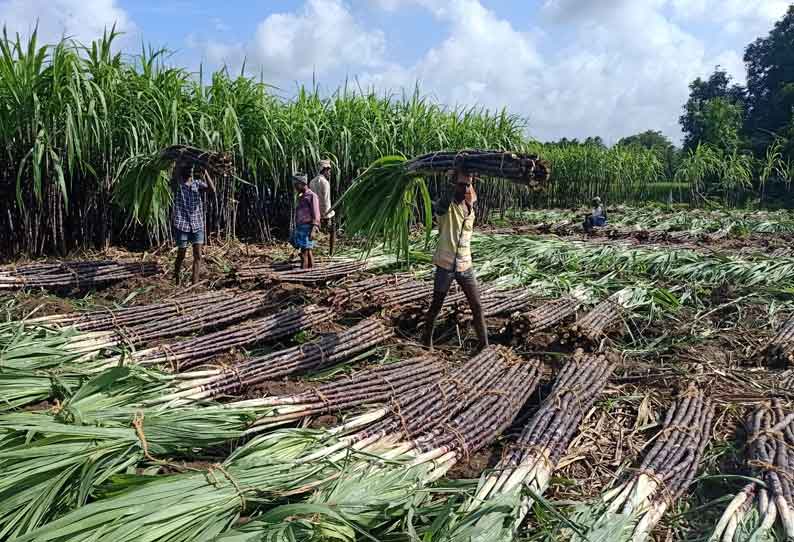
(329, 227)
(468, 283)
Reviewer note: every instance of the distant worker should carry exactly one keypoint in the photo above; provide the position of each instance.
(596, 218)
(307, 220)
(452, 258)
(321, 185)
(189, 215)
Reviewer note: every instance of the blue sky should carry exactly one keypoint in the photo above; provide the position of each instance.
(573, 68)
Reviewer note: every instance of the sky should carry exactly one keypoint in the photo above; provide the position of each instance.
(572, 68)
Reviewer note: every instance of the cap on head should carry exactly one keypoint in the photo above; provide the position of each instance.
(597, 200)
(323, 164)
(300, 178)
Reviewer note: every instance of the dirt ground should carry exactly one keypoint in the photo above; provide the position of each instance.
(614, 434)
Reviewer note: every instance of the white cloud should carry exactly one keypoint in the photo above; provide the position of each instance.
(83, 20)
(611, 67)
(321, 38)
(735, 16)
(482, 61)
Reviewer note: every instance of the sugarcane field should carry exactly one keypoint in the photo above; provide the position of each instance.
(271, 291)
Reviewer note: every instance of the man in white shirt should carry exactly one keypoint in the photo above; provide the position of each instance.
(321, 185)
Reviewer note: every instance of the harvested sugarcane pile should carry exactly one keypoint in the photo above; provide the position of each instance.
(549, 314)
(780, 350)
(325, 352)
(159, 321)
(107, 319)
(592, 327)
(292, 273)
(382, 384)
(631, 510)
(761, 510)
(483, 397)
(495, 302)
(380, 292)
(95, 433)
(218, 163)
(500, 503)
(73, 274)
(371, 491)
(194, 351)
(407, 299)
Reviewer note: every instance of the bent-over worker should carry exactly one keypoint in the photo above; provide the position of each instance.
(596, 218)
(189, 215)
(321, 185)
(453, 255)
(307, 220)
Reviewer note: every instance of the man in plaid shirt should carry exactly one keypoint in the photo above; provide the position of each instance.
(189, 216)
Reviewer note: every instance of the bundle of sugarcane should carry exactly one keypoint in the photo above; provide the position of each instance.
(369, 494)
(780, 350)
(592, 326)
(386, 200)
(500, 503)
(753, 514)
(497, 302)
(55, 460)
(194, 351)
(73, 274)
(109, 318)
(630, 511)
(527, 169)
(143, 187)
(181, 507)
(381, 292)
(381, 384)
(220, 312)
(544, 316)
(292, 273)
(219, 163)
(322, 353)
(50, 467)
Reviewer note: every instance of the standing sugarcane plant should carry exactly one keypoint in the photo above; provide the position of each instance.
(504, 497)
(763, 511)
(383, 202)
(630, 511)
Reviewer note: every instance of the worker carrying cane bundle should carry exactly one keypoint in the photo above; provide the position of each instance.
(452, 258)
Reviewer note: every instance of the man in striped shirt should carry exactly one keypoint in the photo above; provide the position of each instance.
(189, 216)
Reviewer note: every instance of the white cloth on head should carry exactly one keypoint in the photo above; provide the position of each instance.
(322, 188)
